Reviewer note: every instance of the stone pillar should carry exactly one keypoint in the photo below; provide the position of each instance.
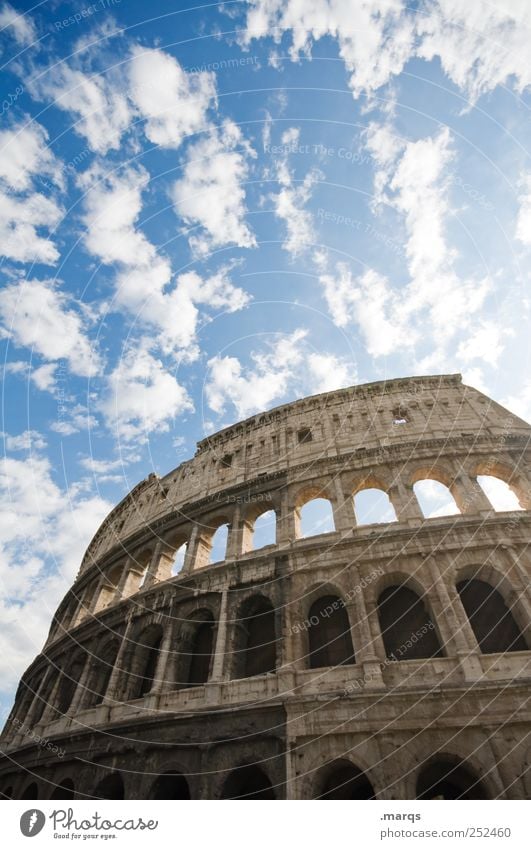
(363, 641)
(197, 551)
(111, 695)
(343, 507)
(405, 502)
(235, 536)
(286, 520)
(165, 652)
(470, 497)
(49, 713)
(218, 667)
(81, 689)
(462, 635)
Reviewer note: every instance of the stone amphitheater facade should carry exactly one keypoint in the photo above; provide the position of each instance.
(387, 660)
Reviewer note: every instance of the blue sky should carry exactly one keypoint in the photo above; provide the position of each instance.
(208, 211)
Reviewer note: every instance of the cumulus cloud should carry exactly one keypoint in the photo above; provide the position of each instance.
(210, 195)
(20, 25)
(35, 314)
(44, 532)
(282, 369)
(142, 396)
(24, 212)
(149, 85)
(289, 203)
(173, 103)
(479, 46)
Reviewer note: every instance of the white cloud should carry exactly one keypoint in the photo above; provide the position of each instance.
(289, 202)
(210, 194)
(142, 396)
(19, 24)
(28, 440)
(173, 103)
(44, 532)
(282, 369)
(37, 315)
(523, 223)
(374, 42)
(74, 419)
(484, 343)
(24, 153)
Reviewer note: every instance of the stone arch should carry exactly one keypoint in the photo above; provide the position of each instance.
(408, 629)
(143, 662)
(438, 501)
(342, 779)
(31, 791)
(170, 785)
(255, 638)
(314, 512)
(447, 777)
(64, 790)
(69, 681)
(372, 502)
(504, 472)
(110, 787)
(491, 619)
(329, 636)
(499, 493)
(259, 525)
(248, 781)
(102, 665)
(141, 563)
(196, 648)
(207, 542)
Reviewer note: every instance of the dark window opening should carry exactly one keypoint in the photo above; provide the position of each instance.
(407, 629)
(201, 653)
(304, 435)
(329, 633)
(400, 416)
(64, 790)
(442, 780)
(247, 782)
(170, 785)
(111, 787)
(492, 622)
(256, 651)
(226, 461)
(346, 782)
(31, 791)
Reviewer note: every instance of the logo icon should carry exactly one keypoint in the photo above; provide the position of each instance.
(32, 822)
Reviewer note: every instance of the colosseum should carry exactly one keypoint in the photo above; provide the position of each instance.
(245, 628)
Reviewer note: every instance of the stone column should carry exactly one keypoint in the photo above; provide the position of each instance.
(165, 652)
(111, 693)
(196, 551)
(405, 502)
(365, 649)
(235, 536)
(470, 497)
(218, 666)
(462, 634)
(81, 689)
(50, 712)
(286, 520)
(343, 508)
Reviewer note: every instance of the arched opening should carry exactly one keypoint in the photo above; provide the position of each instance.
(64, 790)
(373, 506)
(142, 563)
(102, 667)
(31, 791)
(247, 782)
(68, 684)
(218, 544)
(435, 499)
(265, 530)
(407, 628)
(201, 652)
(492, 622)
(145, 661)
(170, 785)
(109, 590)
(43, 696)
(345, 781)
(330, 641)
(255, 643)
(499, 493)
(178, 560)
(449, 780)
(316, 517)
(110, 787)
